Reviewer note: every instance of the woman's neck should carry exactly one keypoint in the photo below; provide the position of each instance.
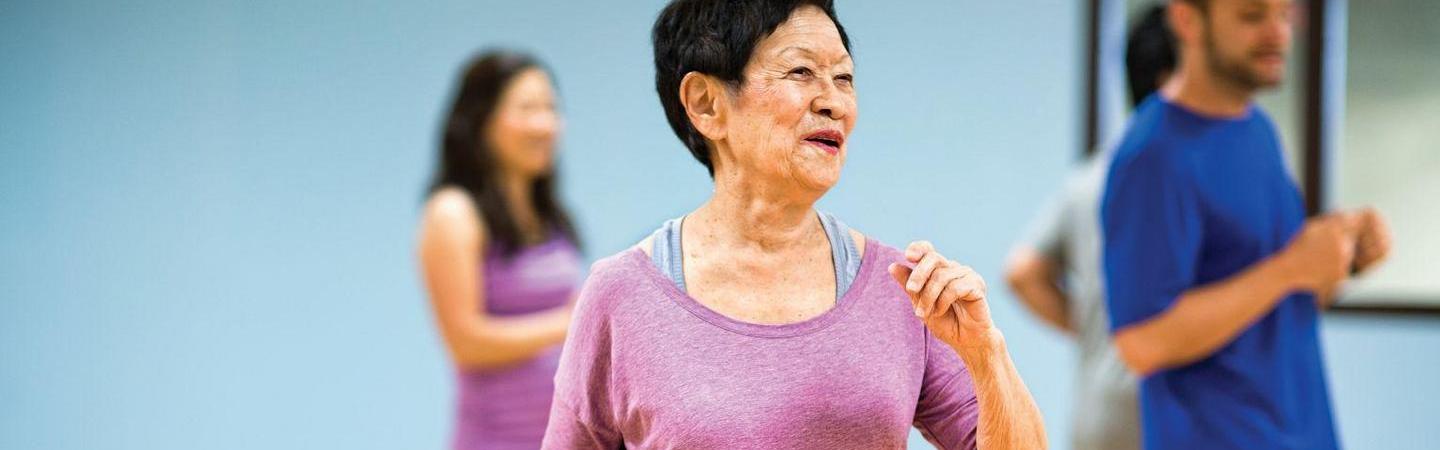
(755, 216)
(519, 200)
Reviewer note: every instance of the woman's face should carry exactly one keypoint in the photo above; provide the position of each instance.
(790, 120)
(524, 127)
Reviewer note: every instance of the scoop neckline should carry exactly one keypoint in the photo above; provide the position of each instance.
(759, 330)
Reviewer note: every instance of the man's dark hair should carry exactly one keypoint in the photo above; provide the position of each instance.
(714, 37)
(1149, 53)
(1202, 5)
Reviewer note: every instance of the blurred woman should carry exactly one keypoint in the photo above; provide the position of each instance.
(498, 251)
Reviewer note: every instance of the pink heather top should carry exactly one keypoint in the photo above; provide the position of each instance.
(647, 366)
(506, 408)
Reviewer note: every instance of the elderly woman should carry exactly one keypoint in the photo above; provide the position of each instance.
(756, 321)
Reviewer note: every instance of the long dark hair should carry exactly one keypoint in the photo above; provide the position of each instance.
(468, 162)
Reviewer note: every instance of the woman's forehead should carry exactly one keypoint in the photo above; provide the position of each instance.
(819, 52)
(531, 82)
(807, 33)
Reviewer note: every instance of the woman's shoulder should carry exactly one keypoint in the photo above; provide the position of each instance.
(451, 205)
(630, 268)
(622, 266)
(450, 217)
(883, 298)
(883, 253)
(615, 278)
(450, 199)
(619, 289)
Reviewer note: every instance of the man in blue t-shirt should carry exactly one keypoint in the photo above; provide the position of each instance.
(1215, 278)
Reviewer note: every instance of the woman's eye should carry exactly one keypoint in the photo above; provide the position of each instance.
(845, 79)
(800, 72)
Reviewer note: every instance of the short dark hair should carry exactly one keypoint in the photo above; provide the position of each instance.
(1149, 52)
(1202, 5)
(714, 37)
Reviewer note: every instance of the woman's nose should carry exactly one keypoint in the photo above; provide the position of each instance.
(545, 123)
(831, 103)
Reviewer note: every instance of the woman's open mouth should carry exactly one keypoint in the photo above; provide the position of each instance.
(827, 140)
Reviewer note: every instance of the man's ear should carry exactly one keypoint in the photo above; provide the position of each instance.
(704, 99)
(1185, 21)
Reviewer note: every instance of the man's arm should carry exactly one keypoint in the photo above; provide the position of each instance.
(1205, 318)
(1154, 234)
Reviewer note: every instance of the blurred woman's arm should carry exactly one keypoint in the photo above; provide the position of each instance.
(451, 242)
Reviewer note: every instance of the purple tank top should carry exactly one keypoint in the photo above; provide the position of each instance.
(506, 408)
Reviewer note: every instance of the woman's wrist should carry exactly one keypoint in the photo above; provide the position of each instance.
(559, 322)
(982, 349)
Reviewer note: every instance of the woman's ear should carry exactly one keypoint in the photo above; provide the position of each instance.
(704, 99)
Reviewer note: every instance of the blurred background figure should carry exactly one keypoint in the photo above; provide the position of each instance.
(498, 251)
(1056, 270)
(1214, 278)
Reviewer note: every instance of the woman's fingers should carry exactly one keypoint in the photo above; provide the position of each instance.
(918, 249)
(901, 274)
(923, 272)
(970, 293)
(938, 283)
(947, 298)
(971, 274)
(977, 309)
(930, 288)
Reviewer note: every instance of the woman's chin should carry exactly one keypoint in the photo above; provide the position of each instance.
(539, 168)
(820, 182)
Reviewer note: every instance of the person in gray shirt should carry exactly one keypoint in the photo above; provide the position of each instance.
(1056, 269)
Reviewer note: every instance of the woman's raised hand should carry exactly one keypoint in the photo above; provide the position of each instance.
(948, 296)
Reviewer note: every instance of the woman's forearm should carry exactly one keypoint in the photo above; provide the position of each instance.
(1009, 417)
(490, 341)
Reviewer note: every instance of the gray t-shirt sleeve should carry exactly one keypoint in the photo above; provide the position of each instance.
(1045, 233)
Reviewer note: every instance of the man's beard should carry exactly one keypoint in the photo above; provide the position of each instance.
(1234, 71)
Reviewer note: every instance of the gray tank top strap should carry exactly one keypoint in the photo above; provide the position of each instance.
(665, 252)
(842, 251)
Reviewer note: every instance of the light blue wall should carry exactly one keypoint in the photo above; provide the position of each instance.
(207, 208)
